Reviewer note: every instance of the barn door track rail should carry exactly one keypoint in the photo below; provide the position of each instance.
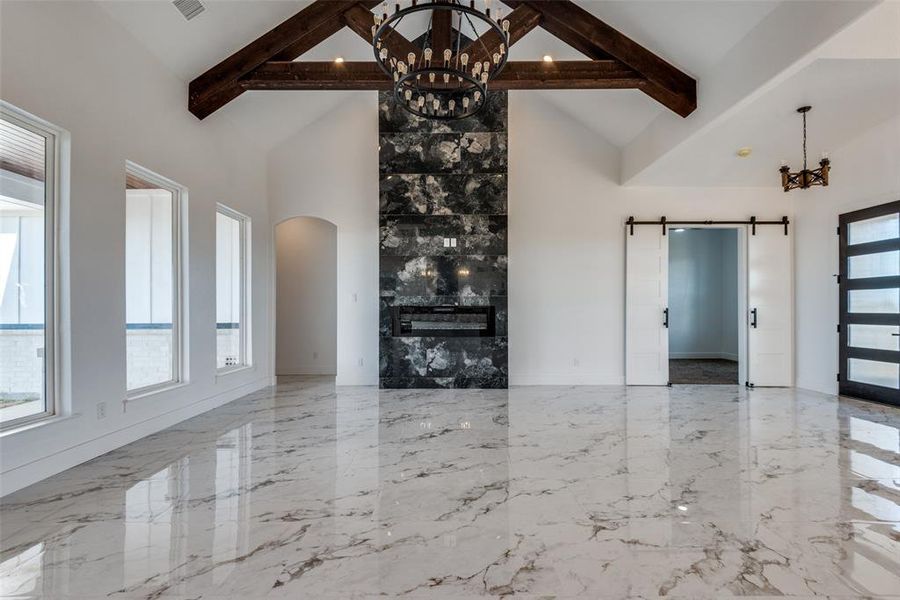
(665, 223)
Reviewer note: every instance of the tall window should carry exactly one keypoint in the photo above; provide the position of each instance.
(29, 161)
(232, 299)
(153, 295)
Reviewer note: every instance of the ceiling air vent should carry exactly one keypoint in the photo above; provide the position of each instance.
(189, 8)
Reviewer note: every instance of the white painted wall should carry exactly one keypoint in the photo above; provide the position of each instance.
(305, 297)
(865, 173)
(566, 230)
(703, 294)
(329, 170)
(119, 104)
(566, 265)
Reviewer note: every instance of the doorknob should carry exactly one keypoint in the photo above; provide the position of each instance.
(666, 321)
(753, 320)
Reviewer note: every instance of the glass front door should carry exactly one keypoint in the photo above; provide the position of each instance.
(870, 303)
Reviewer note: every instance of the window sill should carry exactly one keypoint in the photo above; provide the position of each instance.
(232, 370)
(146, 393)
(36, 424)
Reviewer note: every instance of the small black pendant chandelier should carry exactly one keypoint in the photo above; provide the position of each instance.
(442, 83)
(806, 178)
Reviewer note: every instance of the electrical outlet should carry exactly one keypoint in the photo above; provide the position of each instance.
(101, 410)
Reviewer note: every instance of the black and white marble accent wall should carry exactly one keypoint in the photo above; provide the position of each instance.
(443, 181)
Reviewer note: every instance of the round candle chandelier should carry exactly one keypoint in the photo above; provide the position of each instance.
(443, 83)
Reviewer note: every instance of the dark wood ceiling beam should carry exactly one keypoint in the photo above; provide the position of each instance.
(360, 19)
(312, 25)
(522, 75)
(522, 19)
(596, 39)
(441, 32)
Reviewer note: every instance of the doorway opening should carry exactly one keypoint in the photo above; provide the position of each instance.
(305, 297)
(703, 306)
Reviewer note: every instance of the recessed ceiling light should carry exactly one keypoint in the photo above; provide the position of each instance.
(745, 151)
(339, 59)
(548, 58)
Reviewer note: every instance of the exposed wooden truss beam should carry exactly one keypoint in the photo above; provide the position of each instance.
(312, 25)
(441, 30)
(521, 20)
(594, 38)
(522, 75)
(617, 61)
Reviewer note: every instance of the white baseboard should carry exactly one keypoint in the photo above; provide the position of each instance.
(556, 379)
(307, 370)
(27, 474)
(703, 355)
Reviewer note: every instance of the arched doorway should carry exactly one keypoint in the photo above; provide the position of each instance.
(305, 297)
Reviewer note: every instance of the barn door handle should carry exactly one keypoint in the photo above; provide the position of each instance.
(666, 321)
(896, 334)
(753, 320)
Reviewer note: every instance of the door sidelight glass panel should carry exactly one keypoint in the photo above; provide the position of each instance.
(875, 337)
(879, 264)
(885, 300)
(874, 372)
(885, 227)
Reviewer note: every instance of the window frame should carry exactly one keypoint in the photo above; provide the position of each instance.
(179, 241)
(244, 222)
(53, 156)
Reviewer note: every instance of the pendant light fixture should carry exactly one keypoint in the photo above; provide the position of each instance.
(805, 178)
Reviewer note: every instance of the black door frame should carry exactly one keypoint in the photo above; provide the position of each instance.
(846, 386)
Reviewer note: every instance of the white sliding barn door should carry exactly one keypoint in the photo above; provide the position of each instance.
(769, 304)
(646, 301)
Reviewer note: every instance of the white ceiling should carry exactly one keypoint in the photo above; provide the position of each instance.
(848, 96)
(693, 35)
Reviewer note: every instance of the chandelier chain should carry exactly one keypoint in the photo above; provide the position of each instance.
(805, 165)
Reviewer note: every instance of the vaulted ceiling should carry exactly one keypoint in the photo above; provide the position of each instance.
(740, 51)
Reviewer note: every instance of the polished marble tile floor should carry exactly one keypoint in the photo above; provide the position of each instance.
(301, 491)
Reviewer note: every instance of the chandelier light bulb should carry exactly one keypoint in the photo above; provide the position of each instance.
(383, 54)
(427, 53)
(447, 55)
(436, 104)
(374, 30)
(421, 101)
(411, 58)
(487, 65)
(484, 78)
(465, 102)
(431, 77)
(407, 94)
(477, 96)
(496, 58)
(401, 66)
(446, 77)
(464, 59)
(451, 105)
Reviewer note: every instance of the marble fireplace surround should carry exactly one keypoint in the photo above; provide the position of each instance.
(443, 241)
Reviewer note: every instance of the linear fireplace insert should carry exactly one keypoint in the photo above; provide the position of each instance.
(443, 321)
